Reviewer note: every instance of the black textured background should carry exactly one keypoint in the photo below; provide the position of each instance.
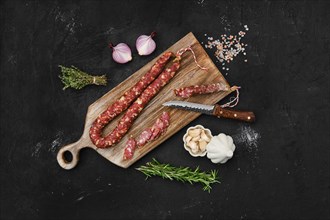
(280, 169)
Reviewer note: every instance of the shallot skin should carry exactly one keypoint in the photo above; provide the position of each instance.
(121, 53)
(145, 45)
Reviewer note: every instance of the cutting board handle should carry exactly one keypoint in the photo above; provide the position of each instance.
(74, 149)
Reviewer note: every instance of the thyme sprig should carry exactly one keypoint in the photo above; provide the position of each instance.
(77, 79)
(183, 174)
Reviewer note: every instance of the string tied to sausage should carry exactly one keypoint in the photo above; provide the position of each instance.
(233, 101)
(183, 50)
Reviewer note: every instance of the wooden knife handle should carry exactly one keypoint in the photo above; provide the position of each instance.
(233, 114)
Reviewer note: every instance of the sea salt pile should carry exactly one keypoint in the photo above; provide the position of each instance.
(227, 47)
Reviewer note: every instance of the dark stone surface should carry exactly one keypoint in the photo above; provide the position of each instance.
(280, 169)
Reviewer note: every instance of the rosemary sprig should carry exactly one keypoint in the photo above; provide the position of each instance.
(183, 174)
(77, 79)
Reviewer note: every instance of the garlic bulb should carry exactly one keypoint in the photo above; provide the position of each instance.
(121, 53)
(145, 45)
(220, 149)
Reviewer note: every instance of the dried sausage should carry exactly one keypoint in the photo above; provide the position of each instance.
(189, 91)
(130, 149)
(135, 109)
(149, 134)
(125, 101)
(158, 128)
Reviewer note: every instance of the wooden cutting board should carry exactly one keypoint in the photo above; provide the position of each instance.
(188, 74)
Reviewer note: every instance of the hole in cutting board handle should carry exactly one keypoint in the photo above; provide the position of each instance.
(68, 156)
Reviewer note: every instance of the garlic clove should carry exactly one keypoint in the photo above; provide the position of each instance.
(231, 143)
(195, 150)
(211, 155)
(223, 138)
(230, 154)
(188, 138)
(204, 136)
(121, 53)
(224, 160)
(193, 146)
(229, 140)
(194, 132)
(202, 145)
(214, 157)
(145, 45)
(220, 158)
(212, 145)
(197, 138)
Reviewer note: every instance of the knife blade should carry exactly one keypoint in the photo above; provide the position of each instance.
(215, 110)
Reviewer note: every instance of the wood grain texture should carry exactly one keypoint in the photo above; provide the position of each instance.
(188, 74)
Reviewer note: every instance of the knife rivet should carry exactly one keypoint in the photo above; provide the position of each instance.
(220, 112)
(249, 118)
(235, 115)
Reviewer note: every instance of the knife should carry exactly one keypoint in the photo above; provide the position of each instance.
(215, 110)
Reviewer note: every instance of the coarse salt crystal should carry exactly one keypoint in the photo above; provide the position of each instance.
(227, 47)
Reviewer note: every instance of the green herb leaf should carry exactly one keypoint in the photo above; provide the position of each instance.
(77, 79)
(183, 174)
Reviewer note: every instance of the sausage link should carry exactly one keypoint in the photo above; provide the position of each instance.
(157, 129)
(149, 134)
(189, 91)
(125, 100)
(130, 149)
(135, 109)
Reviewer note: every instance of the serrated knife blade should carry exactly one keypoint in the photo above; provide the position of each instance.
(215, 110)
(190, 106)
